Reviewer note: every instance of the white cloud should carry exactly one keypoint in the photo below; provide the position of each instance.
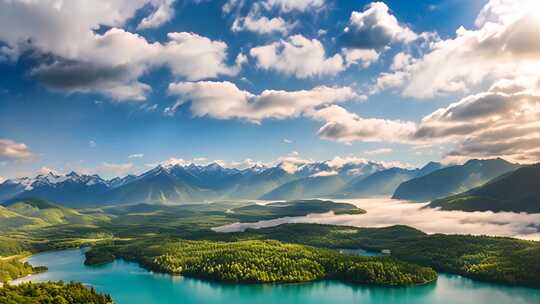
(12, 149)
(378, 151)
(343, 126)
(163, 12)
(386, 212)
(360, 56)
(196, 57)
(262, 25)
(2, 179)
(287, 141)
(92, 144)
(503, 44)
(224, 100)
(111, 62)
(294, 5)
(502, 122)
(137, 155)
(298, 56)
(375, 28)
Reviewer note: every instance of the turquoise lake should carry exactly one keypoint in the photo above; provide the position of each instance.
(128, 283)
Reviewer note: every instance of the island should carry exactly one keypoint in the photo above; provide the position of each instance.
(261, 262)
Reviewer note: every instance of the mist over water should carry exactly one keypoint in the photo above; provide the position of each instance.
(382, 212)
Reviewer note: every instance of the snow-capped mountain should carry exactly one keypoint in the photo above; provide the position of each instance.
(193, 183)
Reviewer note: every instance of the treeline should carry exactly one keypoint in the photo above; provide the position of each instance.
(262, 262)
(57, 293)
(11, 269)
(492, 259)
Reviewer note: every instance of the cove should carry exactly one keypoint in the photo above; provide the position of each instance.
(128, 283)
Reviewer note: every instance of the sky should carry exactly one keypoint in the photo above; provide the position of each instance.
(116, 87)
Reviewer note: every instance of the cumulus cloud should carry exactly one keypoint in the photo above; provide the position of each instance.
(163, 12)
(73, 57)
(387, 212)
(294, 5)
(262, 25)
(503, 44)
(224, 100)
(503, 122)
(375, 28)
(358, 56)
(14, 150)
(297, 56)
(346, 127)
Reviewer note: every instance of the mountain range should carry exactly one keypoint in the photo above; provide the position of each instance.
(196, 183)
(453, 180)
(181, 183)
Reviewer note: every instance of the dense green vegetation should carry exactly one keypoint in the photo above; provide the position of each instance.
(453, 180)
(57, 293)
(12, 268)
(494, 259)
(517, 191)
(36, 213)
(261, 262)
(501, 260)
(491, 259)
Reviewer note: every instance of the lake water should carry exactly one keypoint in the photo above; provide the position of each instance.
(128, 283)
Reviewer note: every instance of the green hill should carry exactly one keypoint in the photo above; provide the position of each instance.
(36, 213)
(453, 180)
(518, 191)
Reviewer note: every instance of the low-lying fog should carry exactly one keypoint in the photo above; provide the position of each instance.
(383, 212)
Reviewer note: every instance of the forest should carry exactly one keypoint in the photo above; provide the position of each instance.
(53, 293)
(261, 262)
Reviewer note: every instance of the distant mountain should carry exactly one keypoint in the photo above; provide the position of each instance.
(160, 185)
(14, 187)
(383, 183)
(196, 183)
(72, 190)
(517, 191)
(452, 180)
(320, 180)
(307, 187)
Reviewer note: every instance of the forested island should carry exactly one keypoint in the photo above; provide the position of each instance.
(57, 293)
(261, 262)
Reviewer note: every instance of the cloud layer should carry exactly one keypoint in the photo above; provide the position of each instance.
(386, 212)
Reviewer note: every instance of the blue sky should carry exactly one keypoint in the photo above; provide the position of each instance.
(59, 110)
